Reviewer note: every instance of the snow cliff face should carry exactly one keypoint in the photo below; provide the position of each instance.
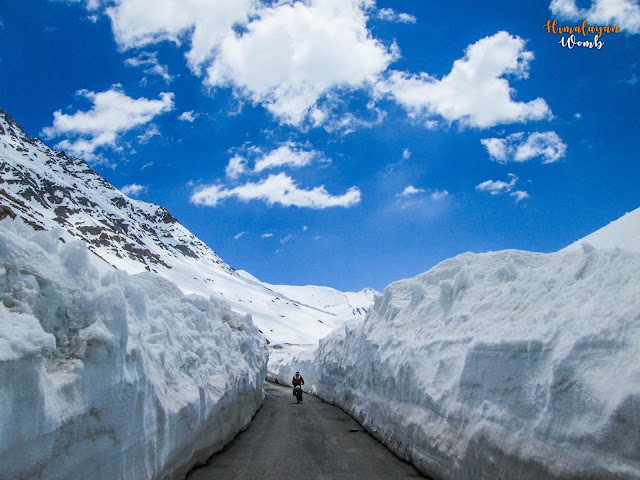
(498, 366)
(105, 375)
(50, 189)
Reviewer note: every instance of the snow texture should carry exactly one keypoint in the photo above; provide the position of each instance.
(500, 365)
(110, 375)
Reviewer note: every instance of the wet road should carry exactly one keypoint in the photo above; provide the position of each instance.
(312, 440)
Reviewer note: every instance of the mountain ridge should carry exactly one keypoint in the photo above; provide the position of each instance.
(49, 189)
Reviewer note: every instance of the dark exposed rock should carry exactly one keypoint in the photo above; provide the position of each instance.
(49, 188)
(6, 212)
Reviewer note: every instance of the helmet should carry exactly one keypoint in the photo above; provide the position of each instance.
(297, 374)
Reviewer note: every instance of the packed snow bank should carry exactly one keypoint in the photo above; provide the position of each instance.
(622, 233)
(106, 375)
(497, 366)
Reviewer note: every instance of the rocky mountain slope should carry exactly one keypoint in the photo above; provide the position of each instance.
(50, 189)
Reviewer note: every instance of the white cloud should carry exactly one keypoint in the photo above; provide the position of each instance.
(151, 132)
(236, 167)
(286, 239)
(439, 195)
(410, 190)
(133, 190)
(284, 155)
(519, 195)
(146, 165)
(238, 236)
(112, 114)
(266, 235)
(188, 116)
(151, 65)
(547, 145)
(294, 53)
(475, 92)
(419, 200)
(277, 189)
(623, 13)
(284, 55)
(289, 155)
(203, 23)
(390, 15)
(304, 228)
(577, 116)
(406, 154)
(498, 187)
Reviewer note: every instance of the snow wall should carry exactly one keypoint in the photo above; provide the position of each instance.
(104, 375)
(496, 366)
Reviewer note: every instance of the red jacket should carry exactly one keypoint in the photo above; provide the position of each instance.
(297, 381)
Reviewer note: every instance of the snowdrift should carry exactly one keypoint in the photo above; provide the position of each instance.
(497, 366)
(110, 375)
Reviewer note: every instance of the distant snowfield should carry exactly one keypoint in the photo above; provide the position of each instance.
(501, 365)
(106, 375)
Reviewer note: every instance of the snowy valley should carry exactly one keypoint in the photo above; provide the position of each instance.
(123, 336)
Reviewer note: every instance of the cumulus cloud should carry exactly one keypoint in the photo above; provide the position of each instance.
(288, 155)
(149, 62)
(496, 187)
(133, 190)
(519, 195)
(390, 15)
(499, 187)
(410, 190)
(476, 92)
(238, 236)
(406, 154)
(284, 55)
(112, 114)
(277, 189)
(266, 235)
(284, 155)
(623, 13)
(516, 148)
(188, 116)
(236, 167)
(202, 23)
(294, 53)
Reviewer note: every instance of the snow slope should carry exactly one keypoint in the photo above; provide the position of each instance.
(50, 189)
(345, 305)
(622, 233)
(110, 375)
(501, 365)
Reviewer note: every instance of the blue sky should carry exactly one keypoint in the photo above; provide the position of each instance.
(343, 143)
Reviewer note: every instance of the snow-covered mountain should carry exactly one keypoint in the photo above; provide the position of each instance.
(50, 189)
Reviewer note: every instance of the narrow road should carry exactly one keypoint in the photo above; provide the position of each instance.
(312, 440)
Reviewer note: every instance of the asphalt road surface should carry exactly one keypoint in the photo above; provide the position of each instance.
(311, 440)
